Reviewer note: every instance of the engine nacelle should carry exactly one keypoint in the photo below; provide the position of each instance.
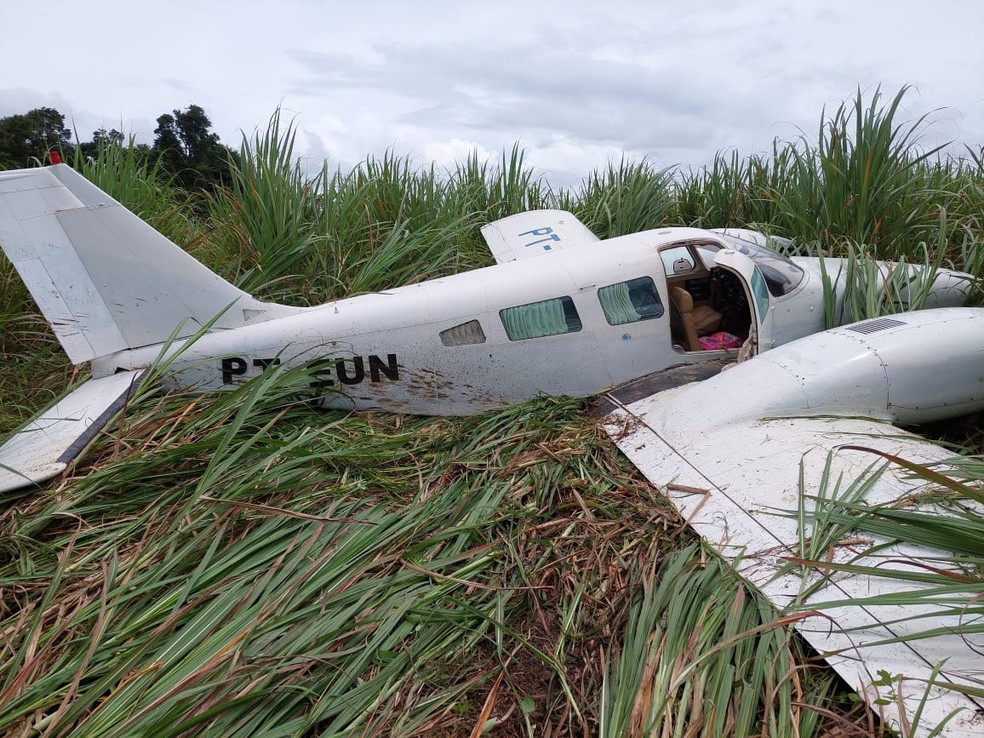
(910, 368)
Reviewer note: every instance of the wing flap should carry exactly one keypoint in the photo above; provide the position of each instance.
(48, 444)
(739, 486)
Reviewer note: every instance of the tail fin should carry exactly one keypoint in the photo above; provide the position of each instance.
(104, 279)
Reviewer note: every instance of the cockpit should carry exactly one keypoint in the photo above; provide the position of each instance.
(782, 276)
(709, 300)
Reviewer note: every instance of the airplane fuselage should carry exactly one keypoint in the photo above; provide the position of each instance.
(451, 346)
(398, 349)
(561, 313)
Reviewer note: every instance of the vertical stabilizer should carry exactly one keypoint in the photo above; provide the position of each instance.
(104, 279)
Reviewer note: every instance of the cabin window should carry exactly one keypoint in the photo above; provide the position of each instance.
(538, 319)
(628, 302)
(781, 275)
(464, 334)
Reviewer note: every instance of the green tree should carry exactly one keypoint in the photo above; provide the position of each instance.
(101, 138)
(190, 151)
(32, 135)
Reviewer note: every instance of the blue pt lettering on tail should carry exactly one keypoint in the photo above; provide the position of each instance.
(545, 231)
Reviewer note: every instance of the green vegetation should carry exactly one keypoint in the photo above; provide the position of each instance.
(31, 136)
(244, 564)
(937, 597)
(184, 146)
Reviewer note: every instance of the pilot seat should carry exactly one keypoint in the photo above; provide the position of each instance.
(699, 320)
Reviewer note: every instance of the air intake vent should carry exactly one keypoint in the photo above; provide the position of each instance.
(879, 324)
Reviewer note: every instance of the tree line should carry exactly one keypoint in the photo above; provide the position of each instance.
(185, 147)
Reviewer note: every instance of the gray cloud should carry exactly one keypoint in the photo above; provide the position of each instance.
(575, 82)
(522, 88)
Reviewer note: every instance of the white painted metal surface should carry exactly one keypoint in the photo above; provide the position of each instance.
(737, 452)
(47, 445)
(103, 278)
(534, 233)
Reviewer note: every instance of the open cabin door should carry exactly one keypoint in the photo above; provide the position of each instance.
(759, 299)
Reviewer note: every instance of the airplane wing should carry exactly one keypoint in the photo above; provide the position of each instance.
(47, 445)
(534, 233)
(741, 485)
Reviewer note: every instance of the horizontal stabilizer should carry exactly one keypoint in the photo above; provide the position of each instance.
(47, 445)
(534, 233)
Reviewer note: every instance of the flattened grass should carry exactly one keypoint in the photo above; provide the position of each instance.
(240, 564)
(242, 569)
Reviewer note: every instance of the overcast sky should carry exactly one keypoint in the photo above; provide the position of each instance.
(575, 83)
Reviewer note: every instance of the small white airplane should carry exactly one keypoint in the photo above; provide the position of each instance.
(562, 313)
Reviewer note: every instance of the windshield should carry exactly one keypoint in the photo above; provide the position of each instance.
(781, 275)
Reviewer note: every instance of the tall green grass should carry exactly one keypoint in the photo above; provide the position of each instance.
(627, 198)
(865, 179)
(864, 183)
(243, 564)
(129, 176)
(700, 650)
(265, 224)
(290, 236)
(735, 191)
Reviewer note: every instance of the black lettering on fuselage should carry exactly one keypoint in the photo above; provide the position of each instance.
(342, 373)
(348, 371)
(232, 366)
(391, 369)
(322, 370)
(236, 366)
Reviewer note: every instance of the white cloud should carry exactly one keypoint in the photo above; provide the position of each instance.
(577, 83)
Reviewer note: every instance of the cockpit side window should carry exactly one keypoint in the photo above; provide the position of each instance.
(760, 292)
(677, 260)
(538, 319)
(781, 275)
(631, 301)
